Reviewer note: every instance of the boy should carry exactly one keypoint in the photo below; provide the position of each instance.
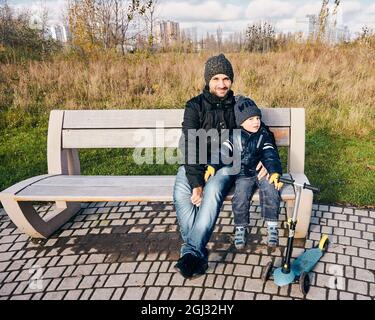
(256, 144)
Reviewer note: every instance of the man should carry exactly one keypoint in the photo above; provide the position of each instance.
(198, 203)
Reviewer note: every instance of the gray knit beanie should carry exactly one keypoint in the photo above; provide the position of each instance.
(244, 109)
(218, 65)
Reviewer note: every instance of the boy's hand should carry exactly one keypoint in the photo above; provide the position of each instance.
(275, 180)
(210, 171)
(196, 197)
(262, 171)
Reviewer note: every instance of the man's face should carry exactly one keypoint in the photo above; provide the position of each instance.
(219, 85)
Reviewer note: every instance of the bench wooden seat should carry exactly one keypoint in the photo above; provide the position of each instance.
(109, 188)
(71, 130)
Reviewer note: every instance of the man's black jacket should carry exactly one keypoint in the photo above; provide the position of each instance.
(205, 111)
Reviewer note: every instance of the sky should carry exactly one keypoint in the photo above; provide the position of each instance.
(235, 15)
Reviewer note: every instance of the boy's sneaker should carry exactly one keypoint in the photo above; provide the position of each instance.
(273, 234)
(240, 237)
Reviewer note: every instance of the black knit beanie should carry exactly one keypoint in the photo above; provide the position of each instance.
(244, 109)
(218, 65)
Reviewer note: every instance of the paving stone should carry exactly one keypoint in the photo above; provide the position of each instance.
(87, 282)
(152, 293)
(229, 282)
(346, 296)
(210, 280)
(116, 280)
(242, 270)
(136, 279)
(100, 268)
(127, 267)
(52, 286)
(366, 253)
(241, 295)
(177, 280)
(54, 272)
(151, 279)
(212, 294)
(228, 295)
(163, 279)
(181, 293)
(144, 267)
(55, 295)
(68, 260)
(83, 270)
(165, 293)
(69, 283)
(255, 285)
(96, 258)
(316, 293)
(7, 288)
(73, 295)
(102, 294)
(358, 286)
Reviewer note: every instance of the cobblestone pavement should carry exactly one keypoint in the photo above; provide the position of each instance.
(128, 250)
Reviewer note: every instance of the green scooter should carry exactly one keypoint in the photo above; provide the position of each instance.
(289, 272)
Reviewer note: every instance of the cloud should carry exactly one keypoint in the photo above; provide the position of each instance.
(263, 9)
(207, 11)
(55, 8)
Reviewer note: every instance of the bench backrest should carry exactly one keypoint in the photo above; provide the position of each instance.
(70, 130)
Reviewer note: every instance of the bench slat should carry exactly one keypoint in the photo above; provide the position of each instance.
(138, 138)
(109, 188)
(167, 118)
(110, 119)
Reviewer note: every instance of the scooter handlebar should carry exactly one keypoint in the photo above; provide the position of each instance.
(305, 185)
(310, 187)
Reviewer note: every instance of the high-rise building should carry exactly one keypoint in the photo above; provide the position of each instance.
(167, 32)
(59, 32)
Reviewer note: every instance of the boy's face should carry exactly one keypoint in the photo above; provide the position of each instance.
(251, 124)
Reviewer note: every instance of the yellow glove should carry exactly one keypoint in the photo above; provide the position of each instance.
(210, 171)
(274, 178)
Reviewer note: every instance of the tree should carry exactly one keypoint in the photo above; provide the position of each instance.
(18, 40)
(260, 37)
(150, 15)
(104, 24)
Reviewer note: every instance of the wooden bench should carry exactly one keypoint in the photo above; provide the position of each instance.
(70, 131)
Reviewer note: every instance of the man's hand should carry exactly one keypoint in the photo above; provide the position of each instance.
(275, 180)
(263, 171)
(210, 172)
(196, 198)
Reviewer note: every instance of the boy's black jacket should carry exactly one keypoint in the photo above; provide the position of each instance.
(254, 147)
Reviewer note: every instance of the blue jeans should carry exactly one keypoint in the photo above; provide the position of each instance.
(269, 199)
(197, 223)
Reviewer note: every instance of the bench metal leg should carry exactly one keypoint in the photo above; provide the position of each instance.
(25, 217)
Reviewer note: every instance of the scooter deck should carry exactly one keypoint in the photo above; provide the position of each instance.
(306, 261)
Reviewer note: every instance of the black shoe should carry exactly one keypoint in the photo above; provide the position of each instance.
(191, 266)
(185, 265)
(200, 268)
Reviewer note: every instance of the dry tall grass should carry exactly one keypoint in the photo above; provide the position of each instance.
(336, 85)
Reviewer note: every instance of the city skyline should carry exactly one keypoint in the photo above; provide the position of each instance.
(234, 15)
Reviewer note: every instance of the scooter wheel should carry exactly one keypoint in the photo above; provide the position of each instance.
(304, 283)
(267, 271)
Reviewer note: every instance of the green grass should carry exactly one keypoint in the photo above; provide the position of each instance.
(338, 165)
